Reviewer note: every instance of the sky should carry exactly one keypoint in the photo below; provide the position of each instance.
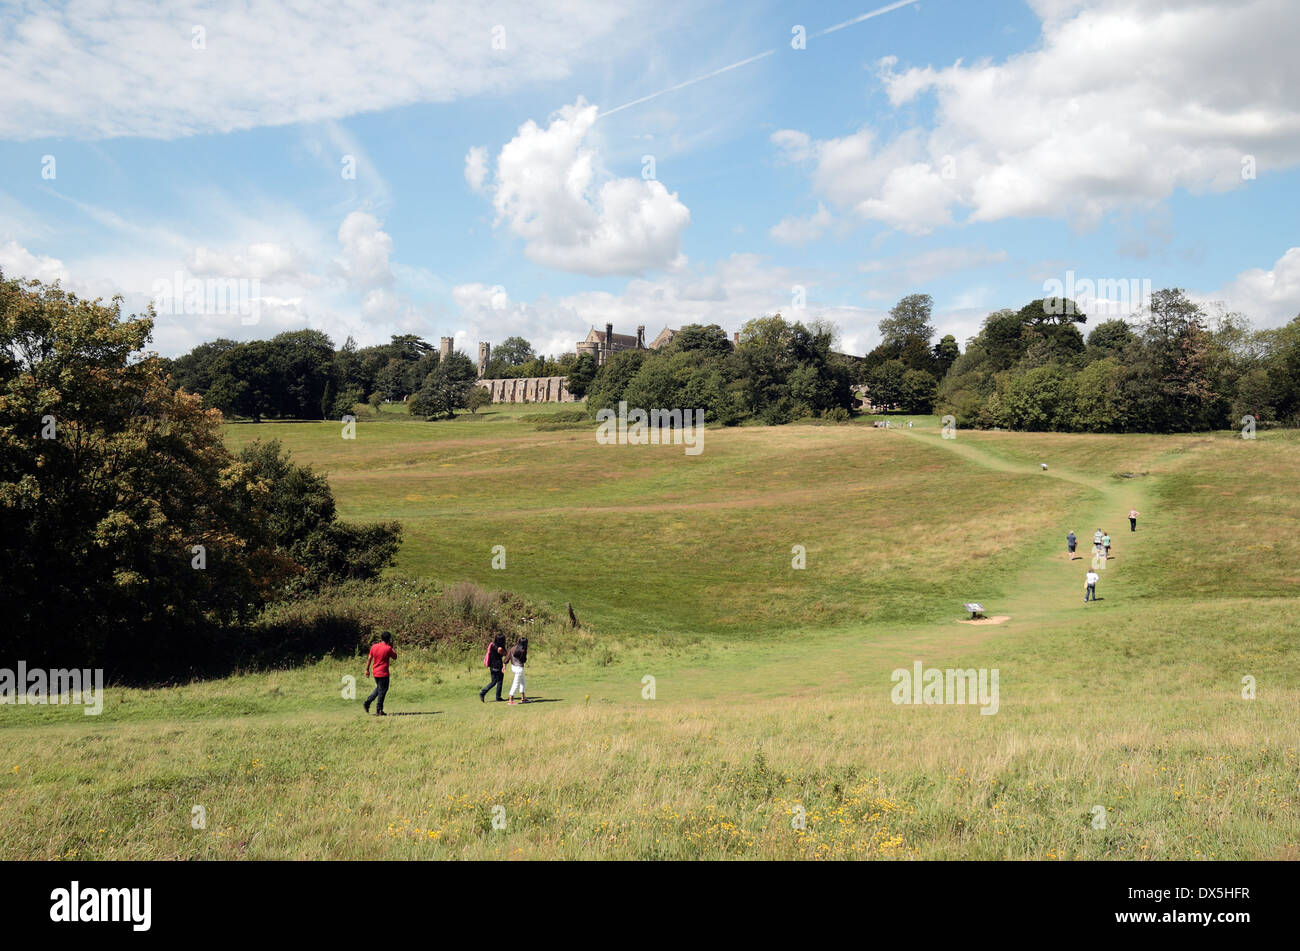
(490, 168)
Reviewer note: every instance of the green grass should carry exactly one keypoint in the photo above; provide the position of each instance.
(772, 686)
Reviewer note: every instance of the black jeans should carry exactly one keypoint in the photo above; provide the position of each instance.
(380, 691)
(498, 677)
(1132, 525)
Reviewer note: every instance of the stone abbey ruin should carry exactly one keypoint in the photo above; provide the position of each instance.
(552, 389)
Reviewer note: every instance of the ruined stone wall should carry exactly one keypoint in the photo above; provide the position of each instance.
(534, 389)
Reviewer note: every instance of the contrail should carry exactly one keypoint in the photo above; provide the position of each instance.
(865, 16)
(746, 62)
(689, 82)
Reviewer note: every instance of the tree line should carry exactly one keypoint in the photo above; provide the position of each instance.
(1171, 367)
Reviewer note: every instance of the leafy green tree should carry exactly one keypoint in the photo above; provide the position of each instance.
(243, 381)
(581, 373)
(1099, 404)
(514, 351)
(917, 392)
(301, 364)
(477, 398)
(108, 479)
(708, 339)
(612, 379)
(1038, 400)
(446, 388)
(1110, 338)
(885, 384)
(909, 320)
(298, 509)
(946, 353)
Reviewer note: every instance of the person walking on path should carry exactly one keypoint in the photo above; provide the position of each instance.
(1071, 540)
(1096, 540)
(378, 660)
(1105, 541)
(496, 655)
(517, 657)
(1132, 520)
(1090, 587)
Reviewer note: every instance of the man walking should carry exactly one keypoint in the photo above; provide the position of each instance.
(1105, 542)
(1071, 540)
(378, 660)
(1090, 587)
(1132, 520)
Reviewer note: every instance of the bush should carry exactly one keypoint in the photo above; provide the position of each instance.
(345, 619)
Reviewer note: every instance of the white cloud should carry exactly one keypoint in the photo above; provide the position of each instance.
(798, 231)
(1119, 105)
(262, 260)
(733, 291)
(17, 262)
(136, 72)
(366, 248)
(476, 163)
(925, 266)
(1270, 298)
(573, 217)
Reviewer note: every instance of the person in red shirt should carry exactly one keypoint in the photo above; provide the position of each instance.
(378, 660)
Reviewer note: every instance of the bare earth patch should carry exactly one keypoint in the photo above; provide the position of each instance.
(995, 619)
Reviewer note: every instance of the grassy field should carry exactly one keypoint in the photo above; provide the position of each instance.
(766, 728)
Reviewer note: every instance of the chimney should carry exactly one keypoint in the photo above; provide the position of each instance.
(640, 337)
(735, 339)
(609, 340)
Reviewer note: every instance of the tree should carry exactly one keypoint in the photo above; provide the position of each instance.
(109, 479)
(514, 351)
(301, 362)
(709, 339)
(298, 510)
(446, 388)
(909, 319)
(477, 398)
(885, 384)
(917, 392)
(612, 379)
(243, 381)
(581, 373)
(1110, 338)
(946, 353)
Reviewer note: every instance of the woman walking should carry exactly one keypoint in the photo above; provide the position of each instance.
(496, 655)
(517, 657)
(1132, 520)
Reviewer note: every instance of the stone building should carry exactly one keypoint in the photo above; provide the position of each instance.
(552, 389)
(602, 345)
(535, 389)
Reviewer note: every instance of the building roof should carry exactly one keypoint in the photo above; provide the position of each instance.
(665, 336)
(620, 340)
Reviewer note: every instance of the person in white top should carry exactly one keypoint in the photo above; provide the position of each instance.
(1132, 520)
(1090, 587)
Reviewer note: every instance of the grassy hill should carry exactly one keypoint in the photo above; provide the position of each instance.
(771, 686)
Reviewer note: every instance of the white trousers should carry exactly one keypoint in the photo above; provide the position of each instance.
(518, 682)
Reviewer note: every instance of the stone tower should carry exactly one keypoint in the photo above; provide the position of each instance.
(444, 351)
(484, 355)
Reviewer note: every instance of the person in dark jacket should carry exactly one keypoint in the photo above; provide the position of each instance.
(496, 664)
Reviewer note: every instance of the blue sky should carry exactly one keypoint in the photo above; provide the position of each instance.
(972, 151)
